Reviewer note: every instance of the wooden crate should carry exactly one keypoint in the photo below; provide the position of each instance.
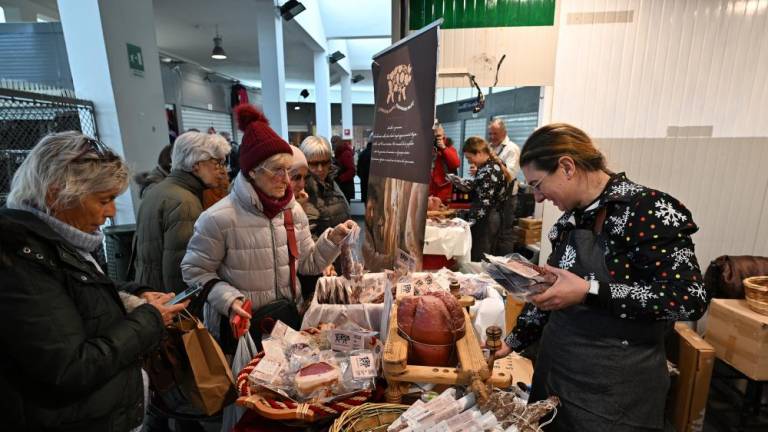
(690, 390)
(529, 223)
(740, 337)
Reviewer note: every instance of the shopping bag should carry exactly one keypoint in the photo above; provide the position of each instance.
(246, 350)
(208, 383)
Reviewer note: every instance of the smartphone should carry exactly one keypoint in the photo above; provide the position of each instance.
(184, 295)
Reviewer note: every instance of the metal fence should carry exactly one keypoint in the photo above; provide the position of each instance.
(25, 117)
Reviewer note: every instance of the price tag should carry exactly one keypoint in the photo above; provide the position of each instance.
(404, 289)
(282, 331)
(267, 369)
(406, 261)
(272, 349)
(342, 340)
(363, 366)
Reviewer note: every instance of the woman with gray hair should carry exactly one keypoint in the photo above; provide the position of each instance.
(72, 342)
(329, 206)
(252, 243)
(168, 212)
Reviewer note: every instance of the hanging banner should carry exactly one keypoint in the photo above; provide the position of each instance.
(404, 78)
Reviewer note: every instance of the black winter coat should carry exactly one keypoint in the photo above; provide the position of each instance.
(71, 355)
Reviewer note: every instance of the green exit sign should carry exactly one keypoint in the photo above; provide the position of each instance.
(135, 60)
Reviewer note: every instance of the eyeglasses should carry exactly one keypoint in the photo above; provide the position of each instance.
(217, 163)
(537, 186)
(320, 164)
(276, 173)
(97, 148)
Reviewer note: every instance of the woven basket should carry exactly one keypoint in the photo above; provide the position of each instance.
(368, 417)
(756, 292)
(288, 410)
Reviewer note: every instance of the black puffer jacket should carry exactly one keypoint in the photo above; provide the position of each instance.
(71, 355)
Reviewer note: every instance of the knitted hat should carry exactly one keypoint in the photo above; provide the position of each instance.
(299, 160)
(260, 142)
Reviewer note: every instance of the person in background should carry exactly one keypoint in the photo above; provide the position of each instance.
(252, 243)
(168, 212)
(446, 162)
(233, 161)
(147, 179)
(345, 158)
(330, 205)
(72, 339)
(626, 270)
(364, 168)
(488, 190)
(509, 153)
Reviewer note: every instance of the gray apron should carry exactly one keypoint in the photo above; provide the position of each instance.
(609, 373)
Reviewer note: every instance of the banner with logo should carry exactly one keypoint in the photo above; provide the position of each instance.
(404, 78)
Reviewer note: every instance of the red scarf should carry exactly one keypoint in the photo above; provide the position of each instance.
(272, 206)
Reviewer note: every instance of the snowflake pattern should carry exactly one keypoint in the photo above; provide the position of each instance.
(642, 294)
(513, 342)
(697, 290)
(553, 233)
(590, 277)
(626, 188)
(668, 213)
(568, 259)
(681, 314)
(489, 190)
(682, 256)
(619, 291)
(619, 222)
(532, 316)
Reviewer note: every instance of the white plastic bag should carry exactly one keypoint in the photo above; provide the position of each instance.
(246, 350)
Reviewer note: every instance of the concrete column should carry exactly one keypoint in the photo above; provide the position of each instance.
(269, 25)
(322, 94)
(346, 106)
(129, 102)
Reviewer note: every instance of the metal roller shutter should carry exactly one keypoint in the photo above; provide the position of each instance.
(520, 126)
(473, 127)
(203, 119)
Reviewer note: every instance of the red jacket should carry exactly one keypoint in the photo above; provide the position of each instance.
(346, 161)
(439, 186)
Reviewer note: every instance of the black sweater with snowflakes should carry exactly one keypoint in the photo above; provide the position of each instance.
(488, 189)
(649, 255)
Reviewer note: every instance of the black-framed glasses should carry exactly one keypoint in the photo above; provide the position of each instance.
(217, 163)
(98, 149)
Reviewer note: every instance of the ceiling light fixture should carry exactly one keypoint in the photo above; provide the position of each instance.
(335, 57)
(218, 52)
(290, 9)
(296, 108)
(357, 78)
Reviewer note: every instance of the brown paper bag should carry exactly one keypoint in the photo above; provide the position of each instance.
(208, 381)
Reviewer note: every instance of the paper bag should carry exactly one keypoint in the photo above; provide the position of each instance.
(208, 383)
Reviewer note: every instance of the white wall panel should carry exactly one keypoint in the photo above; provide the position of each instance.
(689, 63)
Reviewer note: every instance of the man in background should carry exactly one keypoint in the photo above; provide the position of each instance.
(509, 153)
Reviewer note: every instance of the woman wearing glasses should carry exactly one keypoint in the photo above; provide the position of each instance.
(488, 189)
(168, 211)
(626, 270)
(72, 343)
(330, 204)
(252, 243)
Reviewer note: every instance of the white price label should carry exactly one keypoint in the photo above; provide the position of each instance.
(406, 261)
(363, 366)
(272, 349)
(404, 289)
(282, 331)
(342, 340)
(267, 369)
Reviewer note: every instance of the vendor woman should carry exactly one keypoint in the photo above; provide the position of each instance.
(626, 270)
(488, 189)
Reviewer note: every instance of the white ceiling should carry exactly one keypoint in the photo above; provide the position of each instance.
(185, 29)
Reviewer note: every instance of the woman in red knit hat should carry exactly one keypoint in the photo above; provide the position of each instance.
(251, 243)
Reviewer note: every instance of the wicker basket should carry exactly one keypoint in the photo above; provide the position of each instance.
(756, 292)
(368, 417)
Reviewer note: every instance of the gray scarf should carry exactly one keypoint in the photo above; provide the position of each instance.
(83, 241)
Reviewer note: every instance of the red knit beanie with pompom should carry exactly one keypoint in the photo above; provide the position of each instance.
(260, 142)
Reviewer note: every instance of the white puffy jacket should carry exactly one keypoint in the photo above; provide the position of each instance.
(235, 242)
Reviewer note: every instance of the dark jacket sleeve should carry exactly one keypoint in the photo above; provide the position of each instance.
(530, 324)
(664, 281)
(178, 228)
(42, 332)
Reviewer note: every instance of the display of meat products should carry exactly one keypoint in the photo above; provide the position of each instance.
(315, 376)
(432, 323)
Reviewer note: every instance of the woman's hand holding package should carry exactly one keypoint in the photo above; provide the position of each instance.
(340, 232)
(568, 290)
(167, 312)
(237, 310)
